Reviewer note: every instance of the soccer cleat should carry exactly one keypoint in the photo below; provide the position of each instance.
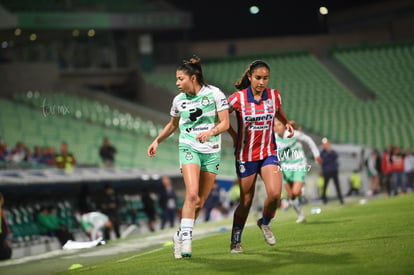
(177, 244)
(267, 233)
(186, 248)
(236, 248)
(301, 219)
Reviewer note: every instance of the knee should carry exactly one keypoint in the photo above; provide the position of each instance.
(297, 193)
(274, 197)
(193, 199)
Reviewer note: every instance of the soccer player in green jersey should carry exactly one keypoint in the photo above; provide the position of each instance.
(200, 111)
(294, 164)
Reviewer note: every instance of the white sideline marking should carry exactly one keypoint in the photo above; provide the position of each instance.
(139, 255)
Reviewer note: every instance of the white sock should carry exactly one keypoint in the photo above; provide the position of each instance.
(187, 229)
(296, 205)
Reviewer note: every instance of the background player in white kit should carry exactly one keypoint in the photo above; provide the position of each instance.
(201, 113)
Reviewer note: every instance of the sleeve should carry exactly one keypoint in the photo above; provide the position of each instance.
(234, 102)
(174, 112)
(309, 141)
(221, 101)
(279, 99)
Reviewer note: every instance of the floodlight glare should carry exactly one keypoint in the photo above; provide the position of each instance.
(323, 10)
(254, 9)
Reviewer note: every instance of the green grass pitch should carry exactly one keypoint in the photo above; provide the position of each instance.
(372, 238)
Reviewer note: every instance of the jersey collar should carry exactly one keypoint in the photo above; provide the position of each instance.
(250, 97)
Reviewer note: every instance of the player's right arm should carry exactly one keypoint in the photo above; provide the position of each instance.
(165, 133)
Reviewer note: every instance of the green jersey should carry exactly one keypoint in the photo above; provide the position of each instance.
(199, 113)
(290, 150)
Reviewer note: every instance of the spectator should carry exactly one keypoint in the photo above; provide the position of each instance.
(3, 151)
(168, 203)
(65, 160)
(96, 225)
(397, 170)
(409, 169)
(36, 156)
(48, 156)
(386, 169)
(107, 153)
(149, 208)
(213, 201)
(354, 183)
(109, 204)
(50, 225)
(5, 243)
(330, 167)
(373, 165)
(85, 203)
(20, 153)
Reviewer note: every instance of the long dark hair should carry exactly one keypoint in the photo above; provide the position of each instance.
(193, 67)
(244, 81)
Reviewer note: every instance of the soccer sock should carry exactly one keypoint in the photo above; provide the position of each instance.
(296, 205)
(237, 229)
(267, 217)
(187, 229)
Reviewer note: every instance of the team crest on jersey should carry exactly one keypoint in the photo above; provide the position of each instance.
(205, 101)
(188, 156)
(269, 102)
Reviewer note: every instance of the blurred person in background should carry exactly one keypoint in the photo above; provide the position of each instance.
(168, 202)
(354, 183)
(50, 225)
(200, 111)
(107, 153)
(109, 205)
(149, 208)
(65, 160)
(294, 164)
(409, 169)
(96, 225)
(330, 167)
(256, 107)
(385, 177)
(373, 165)
(5, 242)
(212, 201)
(397, 171)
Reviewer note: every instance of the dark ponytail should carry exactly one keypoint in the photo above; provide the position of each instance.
(193, 67)
(244, 81)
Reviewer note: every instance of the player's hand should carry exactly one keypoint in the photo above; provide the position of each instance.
(203, 136)
(152, 149)
(290, 129)
(318, 160)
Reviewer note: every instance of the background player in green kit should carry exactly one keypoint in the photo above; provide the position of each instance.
(294, 164)
(201, 113)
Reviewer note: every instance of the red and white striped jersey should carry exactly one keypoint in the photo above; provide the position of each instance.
(255, 120)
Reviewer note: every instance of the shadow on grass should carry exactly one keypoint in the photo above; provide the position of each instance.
(255, 262)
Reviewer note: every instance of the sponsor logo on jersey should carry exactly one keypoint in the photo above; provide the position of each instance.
(197, 129)
(258, 127)
(258, 117)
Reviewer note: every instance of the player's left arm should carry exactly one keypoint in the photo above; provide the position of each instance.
(281, 116)
(312, 145)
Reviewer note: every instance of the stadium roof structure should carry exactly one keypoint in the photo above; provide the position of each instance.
(122, 14)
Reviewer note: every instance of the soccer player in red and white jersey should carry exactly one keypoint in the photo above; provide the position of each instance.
(256, 108)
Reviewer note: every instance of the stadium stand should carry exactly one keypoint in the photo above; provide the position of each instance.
(313, 96)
